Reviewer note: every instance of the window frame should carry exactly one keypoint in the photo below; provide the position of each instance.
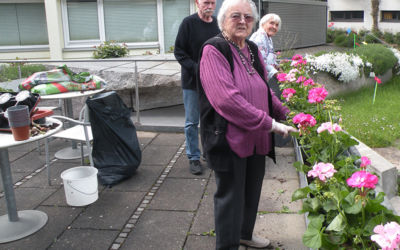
(390, 20)
(76, 44)
(331, 19)
(24, 48)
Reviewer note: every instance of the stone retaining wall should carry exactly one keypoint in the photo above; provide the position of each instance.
(387, 173)
(155, 90)
(335, 87)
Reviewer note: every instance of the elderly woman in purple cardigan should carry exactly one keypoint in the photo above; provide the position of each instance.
(232, 82)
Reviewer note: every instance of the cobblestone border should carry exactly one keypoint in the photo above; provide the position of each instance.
(147, 199)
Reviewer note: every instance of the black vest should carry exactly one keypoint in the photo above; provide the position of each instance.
(213, 125)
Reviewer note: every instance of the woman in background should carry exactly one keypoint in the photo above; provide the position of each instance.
(269, 25)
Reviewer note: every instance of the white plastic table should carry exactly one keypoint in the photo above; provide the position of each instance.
(18, 224)
(73, 152)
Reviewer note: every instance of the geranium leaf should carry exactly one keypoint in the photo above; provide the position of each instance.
(313, 235)
(312, 239)
(315, 204)
(353, 209)
(374, 205)
(329, 205)
(350, 205)
(301, 193)
(372, 222)
(351, 197)
(338, 224)
(334, 239)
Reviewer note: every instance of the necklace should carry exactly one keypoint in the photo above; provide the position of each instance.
(243, 58)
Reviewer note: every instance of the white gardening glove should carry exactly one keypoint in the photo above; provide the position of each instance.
(281, 128)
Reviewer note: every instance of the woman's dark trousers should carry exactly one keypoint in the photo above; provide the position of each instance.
(236, 200)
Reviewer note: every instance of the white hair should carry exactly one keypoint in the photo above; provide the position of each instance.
(272, 16)
(229, 3)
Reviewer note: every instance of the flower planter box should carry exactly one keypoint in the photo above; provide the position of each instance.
(381, 167)
(386, 171)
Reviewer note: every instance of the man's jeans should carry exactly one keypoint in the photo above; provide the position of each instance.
(192, 117)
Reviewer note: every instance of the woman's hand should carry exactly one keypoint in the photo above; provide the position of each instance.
(278, 68)
(281, 128)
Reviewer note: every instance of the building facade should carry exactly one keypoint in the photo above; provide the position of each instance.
(303, 22)
(65, 29)
(69, 29)
(356, 15)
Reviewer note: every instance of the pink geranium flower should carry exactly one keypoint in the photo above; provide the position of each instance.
(362, 179)
(330, 127)
(288, 93)
(317, 95)
(281, 77)
(322, 170)
(304, 120)
(365, 161)
(309, 81)
(297, 57)
(291, 77)
(379, 81)
(387, 236)
(301, 79)
(298, 62)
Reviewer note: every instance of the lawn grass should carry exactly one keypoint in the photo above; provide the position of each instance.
(10, 72)
(376, 125)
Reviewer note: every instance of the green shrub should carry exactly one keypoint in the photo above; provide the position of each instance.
(10, 72)
(371, 39)
(362, 33)
(388, 37)
(340, 40)
(330, 35)
(382, 58)
(378, 33)
(344, 40)
(110, 49)
(397, 38)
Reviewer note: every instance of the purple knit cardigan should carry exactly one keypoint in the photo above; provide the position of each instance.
(241, 99)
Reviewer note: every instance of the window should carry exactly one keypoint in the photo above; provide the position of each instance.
(347, 16)
(173, 12)
(390, 16)
(94, 21)
(130, 21)
(83, 20)
(23, 24)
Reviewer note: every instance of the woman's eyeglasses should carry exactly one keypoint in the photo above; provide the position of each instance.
(237, 17)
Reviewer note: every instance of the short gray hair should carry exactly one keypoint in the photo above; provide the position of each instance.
(229, 3)
(268, 17)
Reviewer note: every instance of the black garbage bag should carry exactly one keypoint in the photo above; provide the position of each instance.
(116, 151)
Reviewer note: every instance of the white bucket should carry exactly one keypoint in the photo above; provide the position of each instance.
(80, 185)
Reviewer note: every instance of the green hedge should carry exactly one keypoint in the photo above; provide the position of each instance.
(382, 58)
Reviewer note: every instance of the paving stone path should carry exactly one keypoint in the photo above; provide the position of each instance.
(163, 206)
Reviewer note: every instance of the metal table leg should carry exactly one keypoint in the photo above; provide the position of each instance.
(16, 225)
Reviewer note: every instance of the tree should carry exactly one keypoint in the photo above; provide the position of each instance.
(375, 14)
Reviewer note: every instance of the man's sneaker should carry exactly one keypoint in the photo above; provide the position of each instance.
(195, 167)
(256, 242)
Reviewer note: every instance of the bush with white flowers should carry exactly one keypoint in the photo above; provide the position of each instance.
(345, 67)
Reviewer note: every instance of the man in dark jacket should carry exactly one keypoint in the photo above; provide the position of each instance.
(193, 32)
